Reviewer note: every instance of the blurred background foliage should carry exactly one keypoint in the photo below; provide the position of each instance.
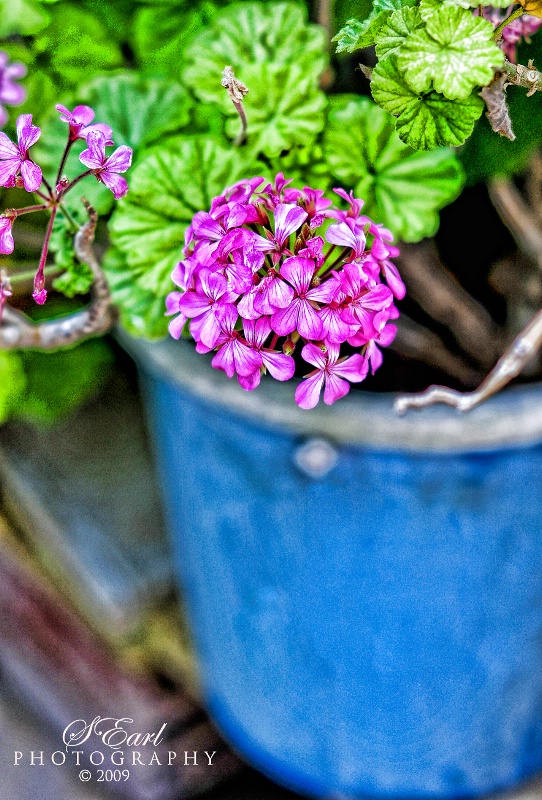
(151, 69)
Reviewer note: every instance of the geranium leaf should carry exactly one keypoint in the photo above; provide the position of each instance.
(161, 32)
(402, 188)
(426, 120)
(77, 45)
(357, 33)
(279, 56)
(141, 312)
(283, 108)
(21, 17)
(455, 51)
(139, 110)
(396, 29)
(250, 34)
(428, 7)
(166, 189)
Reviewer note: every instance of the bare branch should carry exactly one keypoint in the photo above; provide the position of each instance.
(509, 366)
(236, 91)
(439, 294)
(518, 217)
(415, 341)
(18, 332)
(519, 75)
(534, 185)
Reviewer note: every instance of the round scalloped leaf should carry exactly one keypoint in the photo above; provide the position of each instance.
(283, 108)
(166, 189)
(358, 33)
(455, 51)
(140, 111)
(249, 34)
(402, 188)
(427, 120)
(398, 27)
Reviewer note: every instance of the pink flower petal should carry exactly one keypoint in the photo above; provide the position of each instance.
(31, 175)
(280, 366)
(354, 368)
(334, 389)
(120, 160)
(288, 218)
(307, 394)
(279, 294)
(284, 321)
(82, 115)
(29, 136)
(6, 237)
(8, 150)
(23, 121)
(250, 382)
(94, 156)
(298, 271)
(8, 171)
(309, 323)
(393, 279)
(116, 183)
(314, 355)
(176, 326)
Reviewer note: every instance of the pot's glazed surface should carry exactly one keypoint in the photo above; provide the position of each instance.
(367, 612)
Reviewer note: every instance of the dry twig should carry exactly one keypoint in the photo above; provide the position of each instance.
(19, 332)
(509, 366)
(236, 92)
(439, 294)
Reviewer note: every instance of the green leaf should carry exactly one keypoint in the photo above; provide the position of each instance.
(397, 28)
(77, 278)
(141, 312)
(167, 188)
(357, 34)
(22, 17)
(279, 56)
(58, 382)
(140, 111)
(12, 383)
(162, 31)
(402, 188)
(283, 108)
(455, 51)
(427, 120)
(252, 33)
(77, 45)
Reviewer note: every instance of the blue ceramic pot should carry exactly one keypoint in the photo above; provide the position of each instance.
(365, 591)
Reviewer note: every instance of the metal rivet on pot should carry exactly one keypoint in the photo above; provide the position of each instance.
(316, 458)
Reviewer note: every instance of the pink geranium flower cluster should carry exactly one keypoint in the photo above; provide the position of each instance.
(265, 272)
(521, 28)
(18, 169)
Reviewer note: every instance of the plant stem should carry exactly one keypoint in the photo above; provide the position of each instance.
(64, 158)
(328, 267)
(499, 29)
(39, 278)
(17, 212)
(75, 181)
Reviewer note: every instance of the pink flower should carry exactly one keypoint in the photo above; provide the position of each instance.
(6, 236)
(234, 354)
(206, 305)
(10, 92)
(280, 366)
(79, 121)
(330, 373)
(15, 158)
(106, 168)
(300, 314)
(250, 258)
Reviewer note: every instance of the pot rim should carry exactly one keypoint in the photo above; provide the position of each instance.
(511, 419)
